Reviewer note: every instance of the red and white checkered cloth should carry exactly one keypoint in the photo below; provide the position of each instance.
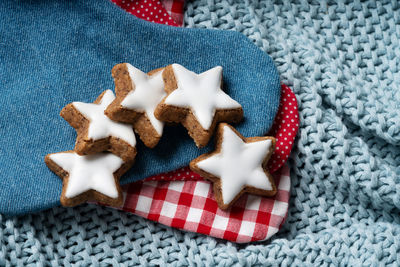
(183, 199)
(190, 205)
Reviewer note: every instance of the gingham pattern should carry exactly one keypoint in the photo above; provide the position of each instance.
(190, 205)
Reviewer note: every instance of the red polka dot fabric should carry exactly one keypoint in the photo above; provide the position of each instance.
(175, 9)
(150, 10)
(181, 174)
(284, 129)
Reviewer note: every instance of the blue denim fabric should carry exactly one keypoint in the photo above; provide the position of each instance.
(56, 52)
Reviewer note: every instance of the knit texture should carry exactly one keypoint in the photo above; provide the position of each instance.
(342, 61)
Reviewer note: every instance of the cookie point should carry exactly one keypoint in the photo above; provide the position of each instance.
(47, 158)
(108, 91)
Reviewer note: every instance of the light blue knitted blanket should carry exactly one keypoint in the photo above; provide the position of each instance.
(343, 63)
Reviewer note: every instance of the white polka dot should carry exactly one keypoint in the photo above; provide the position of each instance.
(290, 104)
(283, 152)
(285, 108)
(165, 14)
(278, 156)
(289, 133)
(141, 6)
(285, 138)
(280, 134)
(284, 99)
(291, 111)
(286, 147)
(148, 18)
(151, 13)
(284, 130)
(288, 124)
(294, 129)
(161, 19)
(156, 17)
(146, 9)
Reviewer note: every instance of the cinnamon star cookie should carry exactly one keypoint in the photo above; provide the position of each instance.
(238, 165)
(96, 132)
(88, 178)
(197, 101)
(138, 94)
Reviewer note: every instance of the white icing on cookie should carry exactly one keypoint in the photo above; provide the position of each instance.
(100, 125)
(148, 93)
(201, 93)
(238, 164)
(89, 172)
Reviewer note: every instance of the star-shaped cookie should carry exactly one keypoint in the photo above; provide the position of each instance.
(238, 165)
(138, 94)
(96, 132)
(88, 178)
(197, 101)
